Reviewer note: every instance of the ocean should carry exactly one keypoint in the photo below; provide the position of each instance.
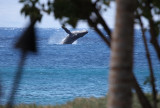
(60, 73)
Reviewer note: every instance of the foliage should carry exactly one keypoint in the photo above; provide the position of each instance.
(76, 10)
(71, 13)
(149, 9)
(91, 102)
(31, 9)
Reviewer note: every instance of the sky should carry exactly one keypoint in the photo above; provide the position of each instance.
(10, 16)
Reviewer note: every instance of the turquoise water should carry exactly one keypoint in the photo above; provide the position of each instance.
(59, 73)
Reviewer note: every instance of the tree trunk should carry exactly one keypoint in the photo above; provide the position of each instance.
(120, 78)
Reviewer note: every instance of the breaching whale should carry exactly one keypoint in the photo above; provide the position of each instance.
(73, 36)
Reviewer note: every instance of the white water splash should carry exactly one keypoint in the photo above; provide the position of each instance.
(55, 40)
(75, 42)
(62, 40)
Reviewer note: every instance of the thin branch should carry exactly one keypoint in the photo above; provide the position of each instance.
(101, 20)
(142, 98)
(17, 80)
(154, 92)
(99, 32)
(154, 40)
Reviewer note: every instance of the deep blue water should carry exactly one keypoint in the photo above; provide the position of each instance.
(59, 73)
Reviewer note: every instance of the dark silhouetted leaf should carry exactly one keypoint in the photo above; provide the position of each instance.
(27, 42)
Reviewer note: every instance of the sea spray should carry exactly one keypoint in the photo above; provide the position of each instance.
(58, 40)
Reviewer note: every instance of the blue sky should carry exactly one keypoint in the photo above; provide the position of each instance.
(10, 16)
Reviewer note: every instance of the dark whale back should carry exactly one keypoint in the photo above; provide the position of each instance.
(74, 36)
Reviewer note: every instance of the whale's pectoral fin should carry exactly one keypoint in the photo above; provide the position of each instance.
(67, 31)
